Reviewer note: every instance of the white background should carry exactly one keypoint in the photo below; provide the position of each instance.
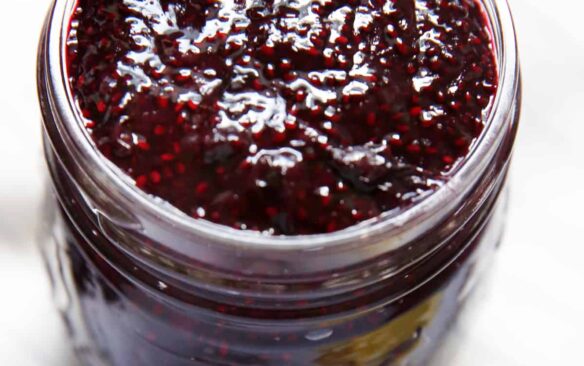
(534, 312)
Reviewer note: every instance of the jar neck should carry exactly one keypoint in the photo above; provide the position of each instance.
(379, 280)
(98, 197)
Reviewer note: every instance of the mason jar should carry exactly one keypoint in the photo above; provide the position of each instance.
(139, 283)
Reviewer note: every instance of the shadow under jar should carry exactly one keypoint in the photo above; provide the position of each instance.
(140, 283)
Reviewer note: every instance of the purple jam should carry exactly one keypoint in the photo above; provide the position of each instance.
(286, 117)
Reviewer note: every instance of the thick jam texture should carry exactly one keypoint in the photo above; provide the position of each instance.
(286, 117)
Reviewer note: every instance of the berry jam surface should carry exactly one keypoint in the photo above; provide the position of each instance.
(286, 117)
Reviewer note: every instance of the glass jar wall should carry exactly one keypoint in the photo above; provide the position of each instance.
(140, 283)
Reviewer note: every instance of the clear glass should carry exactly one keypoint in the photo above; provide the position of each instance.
(138, 282)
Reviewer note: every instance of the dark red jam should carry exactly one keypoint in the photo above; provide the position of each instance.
(288, 117)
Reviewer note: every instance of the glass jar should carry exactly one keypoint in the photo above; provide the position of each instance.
(140, 283)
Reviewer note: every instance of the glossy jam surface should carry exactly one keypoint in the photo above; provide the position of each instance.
(288, 117)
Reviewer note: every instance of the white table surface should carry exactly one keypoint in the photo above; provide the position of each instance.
(534, 312)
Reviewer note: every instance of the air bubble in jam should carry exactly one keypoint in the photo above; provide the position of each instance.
(319, 335)
(244, 112)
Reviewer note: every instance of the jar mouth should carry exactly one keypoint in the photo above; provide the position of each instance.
(396, 225)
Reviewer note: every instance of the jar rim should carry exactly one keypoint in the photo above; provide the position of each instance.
(401, 226)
